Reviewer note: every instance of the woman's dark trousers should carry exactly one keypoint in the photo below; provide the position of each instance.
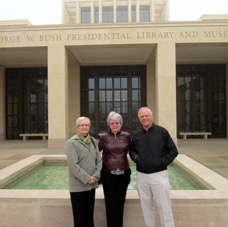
(115, 187)
(83, 208)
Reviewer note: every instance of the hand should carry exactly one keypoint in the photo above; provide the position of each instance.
(92, 180)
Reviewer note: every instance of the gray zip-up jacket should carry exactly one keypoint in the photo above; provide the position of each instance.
(84, 161)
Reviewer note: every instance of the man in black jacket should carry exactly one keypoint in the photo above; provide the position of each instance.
(152, 149)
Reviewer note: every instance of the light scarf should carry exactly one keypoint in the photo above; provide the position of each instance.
(86, 139)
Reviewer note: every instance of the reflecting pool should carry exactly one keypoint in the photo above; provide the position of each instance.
(55, 176)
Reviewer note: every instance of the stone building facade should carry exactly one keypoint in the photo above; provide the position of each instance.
(117, 56)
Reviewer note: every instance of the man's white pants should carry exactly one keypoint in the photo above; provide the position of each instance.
(154, 188)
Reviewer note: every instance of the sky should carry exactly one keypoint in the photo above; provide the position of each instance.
(40, 12)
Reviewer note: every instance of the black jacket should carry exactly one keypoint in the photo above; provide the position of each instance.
(152, 150)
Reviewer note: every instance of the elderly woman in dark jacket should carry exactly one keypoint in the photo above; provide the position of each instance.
(115, 171)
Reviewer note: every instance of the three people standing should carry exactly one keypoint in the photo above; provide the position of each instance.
(116, 170)
(151, 148)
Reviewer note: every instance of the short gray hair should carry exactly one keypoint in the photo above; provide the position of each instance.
(81, 119)
(145, 108)
(114, 116)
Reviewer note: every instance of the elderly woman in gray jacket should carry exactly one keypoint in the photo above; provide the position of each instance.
(85, 164)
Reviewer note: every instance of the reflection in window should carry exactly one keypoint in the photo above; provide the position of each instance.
(109, 83)
(91, 107)
(133, 14)
(123, 82)
(117, 95)
(91, 96)
(33, 98)
(107, 14)
(116, 82)
(102, 83)
(135, 82)
(102, 96)
(85, 15)
(135, 95)
(91, 83)
(201, 100)
(26, 101)
(144, 13)
(109, 95)
(122, 14)
(96, 15)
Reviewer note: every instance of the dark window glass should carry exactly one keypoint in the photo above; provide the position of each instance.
(120, 88)
(26, 101)
(201, 99)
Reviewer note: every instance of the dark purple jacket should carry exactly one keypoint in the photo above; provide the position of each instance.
(115, 150)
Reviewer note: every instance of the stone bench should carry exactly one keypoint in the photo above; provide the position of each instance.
(25, 135)
(185, 134)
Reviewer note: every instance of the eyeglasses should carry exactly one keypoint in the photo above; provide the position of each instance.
(115, 123)
(83, 125)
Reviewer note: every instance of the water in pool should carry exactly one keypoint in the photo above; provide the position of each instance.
(56, 177)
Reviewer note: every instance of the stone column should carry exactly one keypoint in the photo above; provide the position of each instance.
(100, 12)
(92, 9)
(129, 11)
(2, 104)
(152, 11)
(57, 96)
(227, 98)
(65, 15)
(74, 109)
(137, 9)
(78, 12)
(114, 11)
(166, 11)
(151, 84)
(166, 87)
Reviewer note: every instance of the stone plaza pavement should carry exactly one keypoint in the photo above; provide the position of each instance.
(201, 208)
(212, 153)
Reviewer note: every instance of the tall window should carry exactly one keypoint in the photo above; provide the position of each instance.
(201, 99)
(26, 101)
(85, 15)
(96, 14)
(105, 89)
(107, 14)
(122, 14)
(133, 14)
(144, 13)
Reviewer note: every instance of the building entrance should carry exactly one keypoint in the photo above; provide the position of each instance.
(112, 88)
